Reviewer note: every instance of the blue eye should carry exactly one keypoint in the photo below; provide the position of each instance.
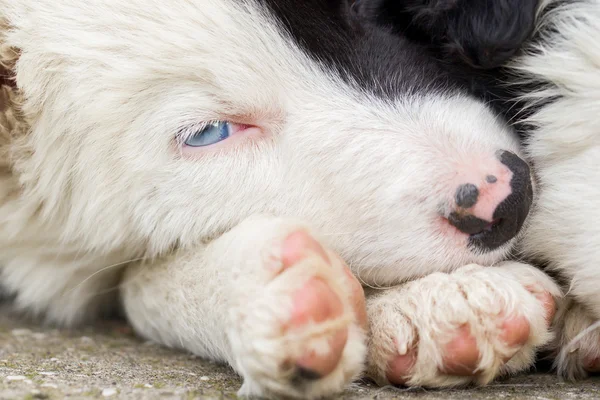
(210, 134)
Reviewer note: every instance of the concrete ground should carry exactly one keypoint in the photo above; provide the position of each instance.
(107, 361)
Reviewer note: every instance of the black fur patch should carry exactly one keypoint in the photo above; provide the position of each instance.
(481, 33)
(473, 39)
(333, 33)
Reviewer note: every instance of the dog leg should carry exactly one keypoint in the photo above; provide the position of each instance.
(469, 326)
(266, 298)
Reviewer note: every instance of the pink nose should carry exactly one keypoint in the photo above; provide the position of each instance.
(493, 210)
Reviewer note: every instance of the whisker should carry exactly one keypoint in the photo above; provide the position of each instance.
(99, 272)
(122, 283)
(364, 283)
(571, 346)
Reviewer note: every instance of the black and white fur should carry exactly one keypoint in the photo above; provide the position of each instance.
(564, 145)
(362, 138)
(551, 92)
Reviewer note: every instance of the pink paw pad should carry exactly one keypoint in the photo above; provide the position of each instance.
(315, 302)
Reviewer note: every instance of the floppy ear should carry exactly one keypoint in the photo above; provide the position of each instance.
(425, 9)
(487, 33)
(419, 20)
(483, 34)
(429, 10)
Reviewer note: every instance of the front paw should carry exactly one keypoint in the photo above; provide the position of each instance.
(577, 344)
(466, 327)
(300, 331)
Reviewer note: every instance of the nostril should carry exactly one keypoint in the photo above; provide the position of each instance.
(466, 195)
(491, 179)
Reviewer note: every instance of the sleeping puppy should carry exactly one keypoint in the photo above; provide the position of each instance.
(554, 99)
(222, 166)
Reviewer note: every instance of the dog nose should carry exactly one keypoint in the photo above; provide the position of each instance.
(493, 211)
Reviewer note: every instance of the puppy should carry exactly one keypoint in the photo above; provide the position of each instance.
(222, 167)
(553, 99)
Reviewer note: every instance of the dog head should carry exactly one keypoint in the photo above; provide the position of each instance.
(157, 124)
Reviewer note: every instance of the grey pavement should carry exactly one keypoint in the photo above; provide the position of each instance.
(108, 362)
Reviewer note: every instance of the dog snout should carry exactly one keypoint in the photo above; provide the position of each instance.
(492, 211)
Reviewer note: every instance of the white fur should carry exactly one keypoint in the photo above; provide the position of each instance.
(565, 149)
(236, 290)
(92, 182)
(425, 315)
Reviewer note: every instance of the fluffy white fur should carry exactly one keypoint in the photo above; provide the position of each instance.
(424, 315)
(565, 149)
(228, 301)
(92, 187)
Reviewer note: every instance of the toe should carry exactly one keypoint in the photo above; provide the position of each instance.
(357, 294)
(548, 303)
(297, 246)
(462, 354)
(315, 302)
(322, 364)
(549, 306)
(515, 331)
(399, 368)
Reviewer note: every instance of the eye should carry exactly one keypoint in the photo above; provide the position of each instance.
(210, 134)
(207, 137)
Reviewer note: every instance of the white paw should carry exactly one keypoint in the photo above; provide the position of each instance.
(466, 327)
(577, 341)
(298, 329)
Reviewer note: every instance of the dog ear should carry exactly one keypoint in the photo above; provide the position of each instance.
(483, 34)
(418, 20)
(429, 10)
(487, 33)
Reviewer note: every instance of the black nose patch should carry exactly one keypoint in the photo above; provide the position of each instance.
(466, 195)
(509, 215)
